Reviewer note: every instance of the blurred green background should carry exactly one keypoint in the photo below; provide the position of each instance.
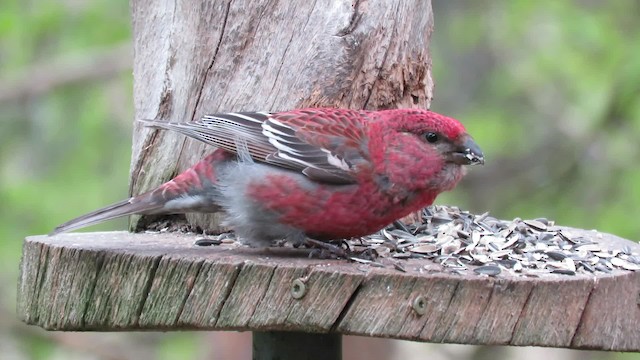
(550, 90)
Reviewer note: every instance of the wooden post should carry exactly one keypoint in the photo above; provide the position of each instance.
(283, 345)
(193, 57)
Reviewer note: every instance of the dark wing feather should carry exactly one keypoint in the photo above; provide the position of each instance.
(330, 143)
(227, 131)
(327, 145)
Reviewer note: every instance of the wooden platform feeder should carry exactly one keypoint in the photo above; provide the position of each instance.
(193, 58)
(117, 281)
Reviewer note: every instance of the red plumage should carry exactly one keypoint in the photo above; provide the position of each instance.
(321, 173)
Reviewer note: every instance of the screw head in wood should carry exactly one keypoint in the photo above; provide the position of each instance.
(419, 305)
(298, 288)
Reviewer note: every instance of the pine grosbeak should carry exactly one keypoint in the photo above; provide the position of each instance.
(319, 173)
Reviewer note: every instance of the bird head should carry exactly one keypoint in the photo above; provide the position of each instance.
(421, 144)
(445, 135)
(433, 133)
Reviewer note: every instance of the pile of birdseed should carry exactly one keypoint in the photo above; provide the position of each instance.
(465, 243)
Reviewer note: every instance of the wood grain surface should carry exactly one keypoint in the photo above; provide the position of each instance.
(120, 281)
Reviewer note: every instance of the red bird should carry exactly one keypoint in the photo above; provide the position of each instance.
(319, 173)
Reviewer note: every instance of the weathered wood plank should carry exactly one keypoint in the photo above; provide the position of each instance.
(209, 292)
(172, 283)
(273, 309)
(564, 302)
(122, 281)
(464, 311)
(500, 316)
(251, 285)
(613, 307)
(328, 290)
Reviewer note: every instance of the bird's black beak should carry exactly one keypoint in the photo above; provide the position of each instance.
(468, 153)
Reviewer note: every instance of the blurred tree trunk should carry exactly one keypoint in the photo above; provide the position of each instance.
(197, 57)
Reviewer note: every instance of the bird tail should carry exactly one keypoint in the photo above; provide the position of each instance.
(195, 190)
(123, 208)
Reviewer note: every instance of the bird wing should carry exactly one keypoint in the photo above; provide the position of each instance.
(331, 144)
(326, 145)
(226, 131)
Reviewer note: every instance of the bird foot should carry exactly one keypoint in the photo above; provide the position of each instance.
(366, 254)
(327, 250)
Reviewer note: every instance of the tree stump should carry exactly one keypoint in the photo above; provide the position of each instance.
(192, 58)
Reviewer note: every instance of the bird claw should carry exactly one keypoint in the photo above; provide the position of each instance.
(366, 254)
(325, 250)
(322, 254)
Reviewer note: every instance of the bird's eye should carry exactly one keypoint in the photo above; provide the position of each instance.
(432, 137)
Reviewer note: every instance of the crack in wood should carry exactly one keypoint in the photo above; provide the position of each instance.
(384, 59)
(190, 286)
(204, 79)
(149, 143)
(165, 97)
(257, 303)
(453, 294)
(526, 302)
(100, 257)
(497, 284)
(347, 306)
(275, 81)
(284, 56)
(446, 310)
(147, 288)
(213, 60)
(353, 21)
(582, 315)
(42, 271)
(313, 7)
(416, 290)
(164, 108)
(232, 284)
(165, 102)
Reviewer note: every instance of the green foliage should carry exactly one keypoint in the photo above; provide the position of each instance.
(179, 346)
(552, 96)
(550, 89)
(66, 151)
